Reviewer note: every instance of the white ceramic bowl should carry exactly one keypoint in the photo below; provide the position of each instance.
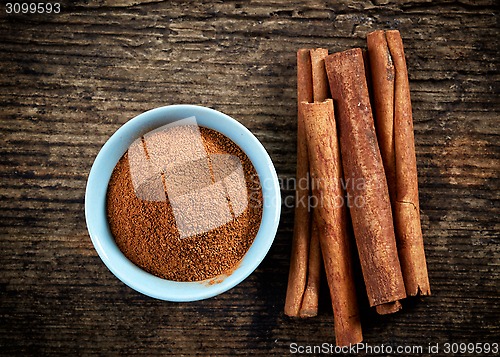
(95, 203)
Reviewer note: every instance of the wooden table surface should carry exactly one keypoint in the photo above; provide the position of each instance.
(69, 80)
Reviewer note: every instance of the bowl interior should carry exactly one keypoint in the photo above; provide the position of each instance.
(95, 203)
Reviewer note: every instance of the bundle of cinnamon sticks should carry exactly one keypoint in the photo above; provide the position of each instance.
(355, 148)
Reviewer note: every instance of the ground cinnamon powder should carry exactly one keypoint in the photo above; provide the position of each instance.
(146, 231)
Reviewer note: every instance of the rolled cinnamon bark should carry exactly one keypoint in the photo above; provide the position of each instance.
(310, 300)
(300, 245)
(309, 307)
(381, 80)
(406, 204)
(365, 180)
(331, 218)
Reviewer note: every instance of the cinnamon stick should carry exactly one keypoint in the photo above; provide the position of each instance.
(309, 307)
(310, 299)
(300, 244)
(381, 81)
(367, 190)
(326, 173)
(406, 203)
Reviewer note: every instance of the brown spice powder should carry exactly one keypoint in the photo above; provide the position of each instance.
(146, 231)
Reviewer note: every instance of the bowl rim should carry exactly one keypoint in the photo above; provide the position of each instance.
(95, 203)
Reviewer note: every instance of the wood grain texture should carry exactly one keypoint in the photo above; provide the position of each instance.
(69, 80)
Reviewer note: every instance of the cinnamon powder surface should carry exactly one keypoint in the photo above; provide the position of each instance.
(146, 231)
